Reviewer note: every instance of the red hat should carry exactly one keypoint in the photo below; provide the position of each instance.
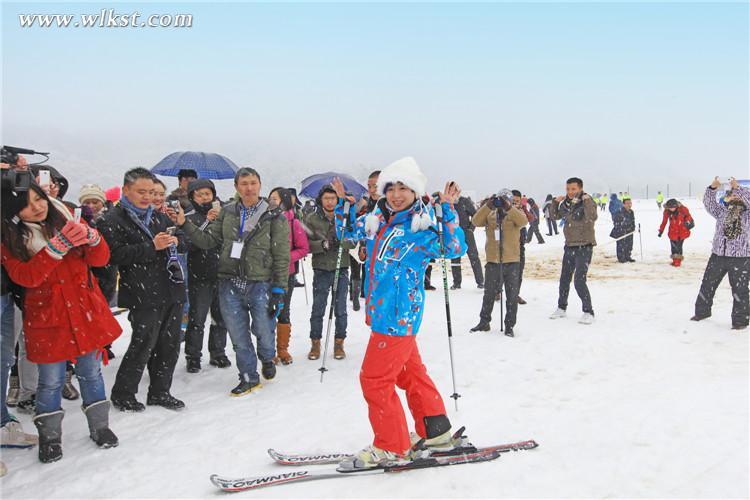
(113, 194)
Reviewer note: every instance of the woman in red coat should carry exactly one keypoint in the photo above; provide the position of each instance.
(680, 224)
(66, 317)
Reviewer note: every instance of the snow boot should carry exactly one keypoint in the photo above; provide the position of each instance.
(165, 401)
(49, 426)
(699, 317)
(220, 362)
(283, 334)
(739, 327)
(559, 313)
(193, 365)
(244, 388)
(128, 404)
(338, 349)
(97, 415)
(587, 319)
(481, 327)
(268, 370)
(509, 331)
(373, 457)
(678, 260)
(314, 350)
(13, 436)
(356, 288)
(69, 391)
(14, 391)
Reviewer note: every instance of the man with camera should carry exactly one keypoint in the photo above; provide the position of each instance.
(152, 286)
(580, 214)
(502, 222)
(185, 176)
(253, 273)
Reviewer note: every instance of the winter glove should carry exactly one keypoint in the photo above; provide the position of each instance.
(59, 245)
(92, 237)
(276, 302)
(660, 233)
(75, 233)
(331, 244)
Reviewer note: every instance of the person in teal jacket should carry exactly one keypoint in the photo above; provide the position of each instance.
(402, 237)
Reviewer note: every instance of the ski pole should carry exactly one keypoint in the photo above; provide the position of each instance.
(335, 286)
(439, 216)
(304, 279)
(640, 240)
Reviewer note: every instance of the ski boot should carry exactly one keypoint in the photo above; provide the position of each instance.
(372, 457)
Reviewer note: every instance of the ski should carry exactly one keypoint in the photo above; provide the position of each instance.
(334, 458)
(250, 483)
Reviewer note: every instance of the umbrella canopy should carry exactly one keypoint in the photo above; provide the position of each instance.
(208, 165)
(311, 185)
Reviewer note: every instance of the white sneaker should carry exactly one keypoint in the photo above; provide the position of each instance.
(12, 436)
(372, 457)
(586, 319)
(559, 313)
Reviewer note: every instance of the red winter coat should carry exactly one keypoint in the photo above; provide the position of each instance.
(677, 219)
(65, 314)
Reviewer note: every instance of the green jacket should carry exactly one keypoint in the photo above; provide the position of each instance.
(320, 228)
(265, 253)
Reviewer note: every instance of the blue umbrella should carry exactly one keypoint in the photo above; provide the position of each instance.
(310, 187)
(207, 165)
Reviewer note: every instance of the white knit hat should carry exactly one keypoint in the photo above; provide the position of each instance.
(407, 172)
(91, 192)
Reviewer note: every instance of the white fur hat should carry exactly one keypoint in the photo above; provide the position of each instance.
(407, 172)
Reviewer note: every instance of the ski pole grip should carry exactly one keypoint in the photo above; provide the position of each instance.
(439, 211)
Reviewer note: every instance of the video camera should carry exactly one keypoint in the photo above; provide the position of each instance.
(12, 178)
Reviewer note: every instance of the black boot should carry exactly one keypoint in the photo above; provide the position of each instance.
(220, 362)
(509, 331)
(244, 387)
(483, 326)
(269, 370)
(700, 317)
(49, 427)
(356, 286)
(97, 415)
(127, 404)
(193, 365)
(165, 401)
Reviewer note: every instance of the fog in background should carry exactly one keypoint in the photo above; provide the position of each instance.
(492, 95)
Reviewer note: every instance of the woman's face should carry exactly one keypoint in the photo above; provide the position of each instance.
(36, 210)
(160, 194)
(400, 197)
(274, 199)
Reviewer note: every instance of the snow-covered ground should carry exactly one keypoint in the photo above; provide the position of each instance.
(642, 403)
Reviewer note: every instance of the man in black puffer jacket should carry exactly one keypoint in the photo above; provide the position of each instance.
(152, 286)
(203, 269)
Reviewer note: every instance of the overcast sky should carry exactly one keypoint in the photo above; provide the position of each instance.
(493, 95)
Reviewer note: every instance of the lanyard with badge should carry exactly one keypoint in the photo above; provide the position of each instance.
(237, 245)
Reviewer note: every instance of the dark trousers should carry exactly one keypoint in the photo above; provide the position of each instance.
(624, 249)
(322, 285)
(575, 266)
(738, 269)
(522, 265)
(155, 343)
(676, 246)
(356, 269)
(285, 312)
(494, 280)
(551, 226)
(203, 296)
(473, 254)
(534, 230)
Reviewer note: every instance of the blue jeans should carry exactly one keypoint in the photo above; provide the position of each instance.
(52, 378)
(322, 290)
(238, 306)
(8, 350)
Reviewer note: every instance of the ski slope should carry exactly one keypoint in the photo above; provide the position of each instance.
(642, 403)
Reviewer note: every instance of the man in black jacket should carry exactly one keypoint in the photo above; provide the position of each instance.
(624, 223)
(152, 286)
(466, 210)
(203, 268)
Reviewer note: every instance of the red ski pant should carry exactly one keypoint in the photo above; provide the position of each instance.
(390, 362)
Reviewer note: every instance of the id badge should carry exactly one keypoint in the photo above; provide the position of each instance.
(236, 250)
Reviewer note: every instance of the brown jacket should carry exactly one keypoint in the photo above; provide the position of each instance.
(579, 220)
(513, 222)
